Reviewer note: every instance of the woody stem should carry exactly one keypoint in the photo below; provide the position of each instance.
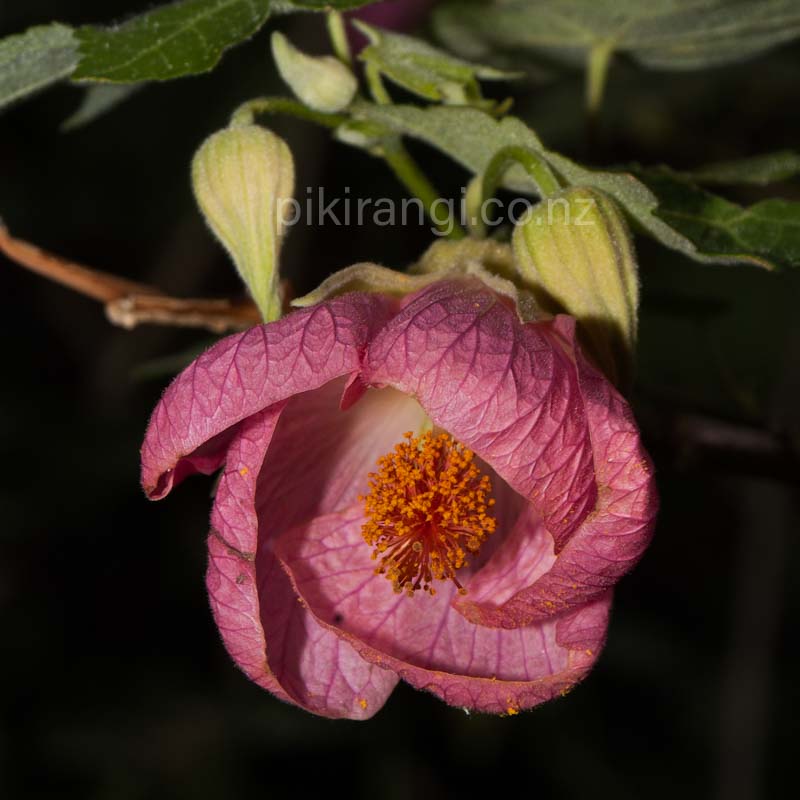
(127, 303)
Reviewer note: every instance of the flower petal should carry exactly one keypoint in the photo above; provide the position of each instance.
(266, 630)
(320, 456)
(198, 414)
(526, 400)
(423, 638)
(610, 540)
(504, 389)
(525, 555)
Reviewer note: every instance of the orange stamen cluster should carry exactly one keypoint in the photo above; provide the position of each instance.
(426, 509)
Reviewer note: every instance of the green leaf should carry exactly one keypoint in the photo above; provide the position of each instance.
(663, 34)
(472, 138)
(467, 135)
(320, 5)
(32, 60)
(425, 70)
(754, 171)
(766, 233)
(183, 38)
(97, 101)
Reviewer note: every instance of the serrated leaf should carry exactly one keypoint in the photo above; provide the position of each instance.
(183, 38)
(32, 60)
(664, 34)
(426, 70)
(754, 171)
(472, 138)
(766, 233)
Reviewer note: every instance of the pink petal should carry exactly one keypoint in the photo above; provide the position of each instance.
(526, 554)
(525, 399)
(320, 456)
(423, 638)
(198, 414)
(266, 630)
(609, 541)
(504, 389)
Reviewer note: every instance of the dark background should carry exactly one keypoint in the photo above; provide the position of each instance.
(114, 681)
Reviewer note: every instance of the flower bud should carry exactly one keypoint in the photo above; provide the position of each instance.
(243, 180)
(321, 82)
(574, 252)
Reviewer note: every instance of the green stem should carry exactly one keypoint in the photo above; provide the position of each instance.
(537, 168)
(246, 113)
(476, 224)
(338, 34)
(405, 168)
(596, 75)
(412, 177)
(376, 87)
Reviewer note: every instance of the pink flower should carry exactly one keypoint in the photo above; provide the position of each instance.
(298, 412)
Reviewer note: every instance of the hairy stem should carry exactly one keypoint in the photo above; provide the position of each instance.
(412, 177)
(484, 187)
(246, 113)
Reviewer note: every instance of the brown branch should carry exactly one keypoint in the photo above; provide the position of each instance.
(214, 315)
(127, 303)
(98, 285)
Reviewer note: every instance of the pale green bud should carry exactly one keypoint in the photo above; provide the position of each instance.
(321, 82)
(575, 254)
(243, 180)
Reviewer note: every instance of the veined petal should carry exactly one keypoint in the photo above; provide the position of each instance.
(504, 389)
(267, 631)
(500, 387)
(423, 638)
(525, 399)
(196, 418)
(526, 553)
(320, 456)
(610, 540)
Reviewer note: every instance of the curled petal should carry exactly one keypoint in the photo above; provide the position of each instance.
(525, 399)
(196, 419)
(298, 411)
(610, 540)
(423, 638)
(502, 388)
(267, 631)
(525, 554)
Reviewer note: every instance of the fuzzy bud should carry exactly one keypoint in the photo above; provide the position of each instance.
(574, 253)
(243, 178)
(321, 82)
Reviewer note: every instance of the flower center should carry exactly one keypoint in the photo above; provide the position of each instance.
(426, 509)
